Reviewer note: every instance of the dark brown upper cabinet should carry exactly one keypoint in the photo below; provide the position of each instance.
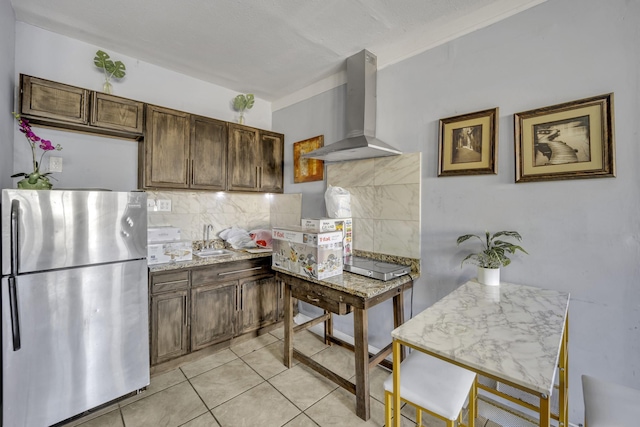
(64, 106)
(255, 160)
(166, 148)
(208, 153)
(177, 150)
(113, 112)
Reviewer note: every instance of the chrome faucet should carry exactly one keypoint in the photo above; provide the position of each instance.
(205, 234)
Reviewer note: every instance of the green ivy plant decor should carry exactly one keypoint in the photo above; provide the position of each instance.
(115, 70)
(493, 254)
(242, 103)
(34, 180)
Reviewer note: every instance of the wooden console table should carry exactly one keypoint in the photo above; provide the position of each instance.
(341, 295)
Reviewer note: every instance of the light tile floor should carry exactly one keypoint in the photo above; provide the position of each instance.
(248, 385)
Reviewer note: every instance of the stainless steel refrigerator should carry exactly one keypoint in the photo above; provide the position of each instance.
(74, 302)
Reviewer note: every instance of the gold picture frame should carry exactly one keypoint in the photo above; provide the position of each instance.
(573, 140)
(307, 170)
(468, 144)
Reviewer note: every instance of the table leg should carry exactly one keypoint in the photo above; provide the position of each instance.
(563, 412)
(398, 316)
(361, 349)
(328, 328)
(288, 326)
(397, 349)
(545, 411)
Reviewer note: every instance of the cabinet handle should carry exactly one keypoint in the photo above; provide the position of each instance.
(170, 283)
(239, 271)
(310, 298)
(184, 311)
(257, 176)
(192, 172)
(241, 299)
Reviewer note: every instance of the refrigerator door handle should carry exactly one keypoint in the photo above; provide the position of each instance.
(15, 208)
(15, 320)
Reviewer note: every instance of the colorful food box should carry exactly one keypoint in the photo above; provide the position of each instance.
(333, 224)
(315, 254)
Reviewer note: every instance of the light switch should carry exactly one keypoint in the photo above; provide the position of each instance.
(164, 205)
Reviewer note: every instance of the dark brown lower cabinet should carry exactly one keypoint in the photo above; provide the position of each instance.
(259, 299)
(169, 327)
(213, 312)
(202, 306)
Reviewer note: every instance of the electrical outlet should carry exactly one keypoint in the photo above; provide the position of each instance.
(55, 164)
(164, 205)
(151, 204)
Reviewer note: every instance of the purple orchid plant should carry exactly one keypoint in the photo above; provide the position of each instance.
(43, 144)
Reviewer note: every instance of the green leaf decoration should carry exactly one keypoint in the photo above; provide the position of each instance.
(111, 69)
(118, 70)
(102, 60)
(243, 102)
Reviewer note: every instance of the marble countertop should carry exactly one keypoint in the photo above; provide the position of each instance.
(513, 332)
(355, 284)
(237, 255)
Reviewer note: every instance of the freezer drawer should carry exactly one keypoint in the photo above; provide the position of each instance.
(83, 341)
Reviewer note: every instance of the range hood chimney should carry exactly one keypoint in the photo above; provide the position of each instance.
(361, 141)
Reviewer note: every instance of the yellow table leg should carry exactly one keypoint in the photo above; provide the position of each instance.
(563, 372)
(397, 349)
(545, 411)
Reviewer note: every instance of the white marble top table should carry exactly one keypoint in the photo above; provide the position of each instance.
(512, 332)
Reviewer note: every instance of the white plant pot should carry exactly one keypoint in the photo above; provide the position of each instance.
(489, 276)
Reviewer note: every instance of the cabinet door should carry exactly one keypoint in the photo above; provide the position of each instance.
(208, 153)
(51, 100)
(259, 298)
(272, 152)
(244, 158)
(113, 112)
(169, 326)
(213, 313)
(166, 146)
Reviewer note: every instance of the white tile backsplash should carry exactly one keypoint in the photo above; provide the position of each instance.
(385, 202)
(190, 211)
(357, 173)
(397, 202)
(404, 169)
(362, 201)
(396, 237)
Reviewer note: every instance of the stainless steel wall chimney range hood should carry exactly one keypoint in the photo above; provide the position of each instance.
(361, 141)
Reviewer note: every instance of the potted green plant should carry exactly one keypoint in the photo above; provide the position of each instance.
(493, 254)
(111, 69)
(242, 103)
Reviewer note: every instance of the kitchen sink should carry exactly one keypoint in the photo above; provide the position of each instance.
(207, 253)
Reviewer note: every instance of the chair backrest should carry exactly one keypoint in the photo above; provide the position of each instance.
(607, 404)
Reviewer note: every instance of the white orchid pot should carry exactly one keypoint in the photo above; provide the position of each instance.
(489, 276)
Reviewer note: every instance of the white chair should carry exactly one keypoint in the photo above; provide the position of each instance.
(609, 405)
(433, 386)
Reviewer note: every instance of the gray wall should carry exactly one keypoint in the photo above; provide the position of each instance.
(7, 84)
(582, 235)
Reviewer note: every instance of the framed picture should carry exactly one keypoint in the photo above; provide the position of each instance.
(566, 141)
(468, 144)
(307, 170)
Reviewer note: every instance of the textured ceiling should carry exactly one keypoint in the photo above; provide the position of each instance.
(272, 48)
